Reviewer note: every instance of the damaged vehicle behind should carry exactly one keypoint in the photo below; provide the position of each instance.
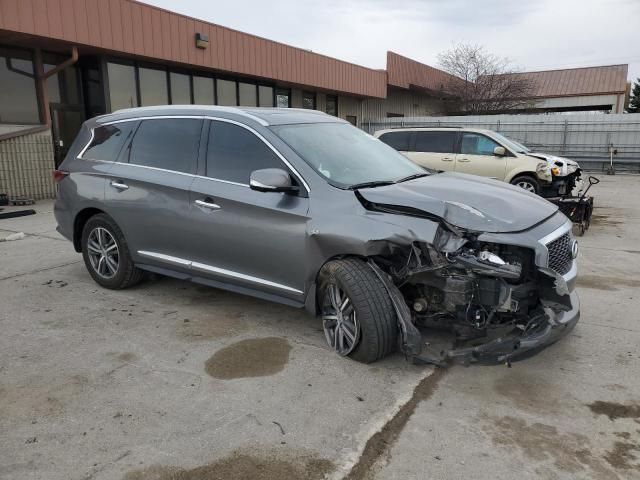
(302, 208)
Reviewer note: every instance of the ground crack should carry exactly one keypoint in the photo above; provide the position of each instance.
(381, 443)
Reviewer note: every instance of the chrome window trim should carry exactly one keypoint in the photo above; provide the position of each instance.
(221, 271)
(223, 181)
(157, 169)
(268, 144)
(201, 117)
(80, 155)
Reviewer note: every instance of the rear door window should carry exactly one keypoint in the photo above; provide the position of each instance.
(169, 144)
(234, 152)
(477, 144)
(398, 140)
(108, 141)
(436, 142)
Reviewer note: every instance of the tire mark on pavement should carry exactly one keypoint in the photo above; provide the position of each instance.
(31, 272)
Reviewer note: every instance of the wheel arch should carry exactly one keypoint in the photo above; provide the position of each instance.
(521, 173)
(80, 220)
(311, 300)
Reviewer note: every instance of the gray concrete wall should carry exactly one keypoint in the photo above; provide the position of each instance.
(26, 165)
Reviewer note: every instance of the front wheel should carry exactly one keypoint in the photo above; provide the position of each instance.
(527, 183)
(358, 317)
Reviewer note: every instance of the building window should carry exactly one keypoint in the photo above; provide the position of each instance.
(153, 87)
(332, 105)
(309, 100)
(226, 92)
(122, 86)
(18, 99)
(64, 87)
(265, 96)
(352, 119)
(283, 97)
(248, 94)
(180, 89)
(394, 115)
(203, 91)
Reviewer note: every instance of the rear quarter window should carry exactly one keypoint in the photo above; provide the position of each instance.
(397, 140)
(108, 141)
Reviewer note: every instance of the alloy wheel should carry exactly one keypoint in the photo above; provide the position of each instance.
(339, 321)
(528, 186)
(103, 252)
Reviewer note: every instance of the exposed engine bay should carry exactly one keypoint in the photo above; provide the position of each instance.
(490, 295)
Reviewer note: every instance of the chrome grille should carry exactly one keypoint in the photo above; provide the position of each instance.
(560, 259)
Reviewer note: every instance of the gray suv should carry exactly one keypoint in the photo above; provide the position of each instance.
(298, 207)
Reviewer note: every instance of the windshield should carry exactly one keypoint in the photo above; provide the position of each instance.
(345, 155)
(511, 144)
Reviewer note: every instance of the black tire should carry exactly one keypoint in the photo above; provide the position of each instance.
(531, 182)
(378, 327)
(126, 274)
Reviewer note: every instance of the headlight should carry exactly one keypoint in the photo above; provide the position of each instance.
(542, 166)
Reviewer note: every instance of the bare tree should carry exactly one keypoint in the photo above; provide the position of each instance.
(483, 82)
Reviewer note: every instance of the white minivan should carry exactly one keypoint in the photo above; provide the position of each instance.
(486, 153)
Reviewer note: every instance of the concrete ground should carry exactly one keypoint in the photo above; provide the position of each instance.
(170, 380)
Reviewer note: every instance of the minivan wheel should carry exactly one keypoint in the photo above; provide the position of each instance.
(357, 314)
(106, 254)
(527, 183)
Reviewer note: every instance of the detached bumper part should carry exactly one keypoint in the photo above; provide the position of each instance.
(515, 344)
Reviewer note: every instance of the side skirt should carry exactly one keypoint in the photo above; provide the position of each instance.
(222, 285)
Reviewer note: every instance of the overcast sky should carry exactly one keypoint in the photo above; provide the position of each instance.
(534, 34)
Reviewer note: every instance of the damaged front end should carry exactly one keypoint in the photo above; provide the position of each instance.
(494, 297)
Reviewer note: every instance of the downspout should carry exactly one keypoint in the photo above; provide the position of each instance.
(41, 81)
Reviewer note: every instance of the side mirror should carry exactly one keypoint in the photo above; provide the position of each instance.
(271, 180)
(499, 152)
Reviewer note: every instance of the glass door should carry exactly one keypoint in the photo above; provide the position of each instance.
(66, 121)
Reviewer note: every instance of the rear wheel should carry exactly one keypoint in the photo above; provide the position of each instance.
(527, 183)
(106, 254)
(357, 314)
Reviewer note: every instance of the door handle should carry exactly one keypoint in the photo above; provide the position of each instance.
(464, 160)
(119, 186)
(447, 159)
(207, 203)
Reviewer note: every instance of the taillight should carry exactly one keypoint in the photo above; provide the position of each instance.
(59, 175)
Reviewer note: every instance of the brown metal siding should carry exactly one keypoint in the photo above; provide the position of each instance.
(138, 29)
(610, 79)
(403, 72)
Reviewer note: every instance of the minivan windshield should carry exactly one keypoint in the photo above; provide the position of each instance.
(512, 144)
(346, 156)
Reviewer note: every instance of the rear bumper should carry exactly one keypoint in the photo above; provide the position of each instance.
(64, 219)
(516, 345)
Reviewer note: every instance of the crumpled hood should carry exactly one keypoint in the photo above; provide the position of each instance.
(466, 201)
(568, 165)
